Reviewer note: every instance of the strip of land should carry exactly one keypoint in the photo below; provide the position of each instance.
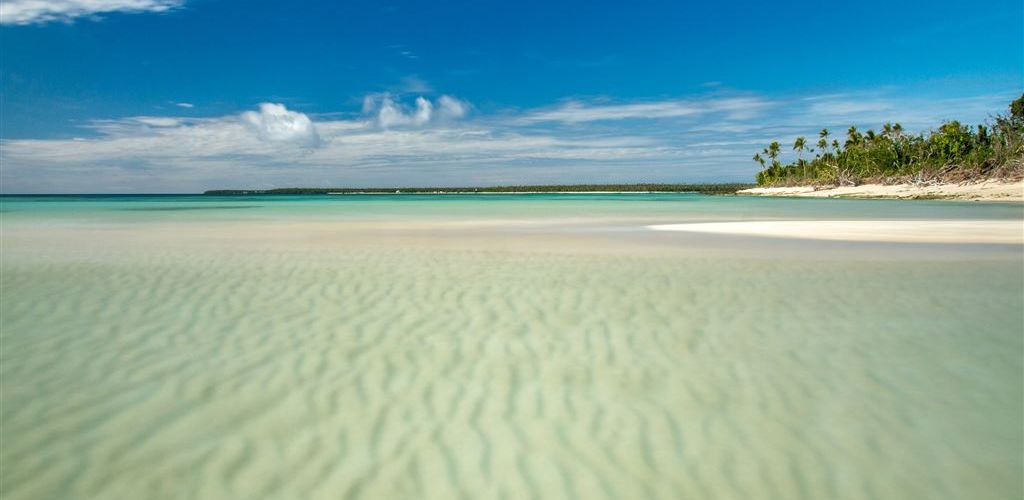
(990, 190)
(535, 189)
(906, 231)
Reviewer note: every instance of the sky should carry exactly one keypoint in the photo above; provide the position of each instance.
(166, 96)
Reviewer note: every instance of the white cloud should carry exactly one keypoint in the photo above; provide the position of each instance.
(451, 108)
(158, 121)
(579, 112)
(275, 123)
(739, 108)
(391, 113)
(369, 103)
(43, 11)
(423, 111)
(913, 111)
(843, 108)
(184, 105)
(178, 154)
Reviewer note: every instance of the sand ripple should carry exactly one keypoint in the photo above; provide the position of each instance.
(383, 371)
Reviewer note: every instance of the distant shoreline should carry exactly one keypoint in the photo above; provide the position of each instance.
(726, 188)
(343, 193)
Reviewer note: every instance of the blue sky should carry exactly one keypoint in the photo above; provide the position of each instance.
(186, 95)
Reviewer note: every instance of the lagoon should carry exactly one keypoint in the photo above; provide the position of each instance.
(518, 346)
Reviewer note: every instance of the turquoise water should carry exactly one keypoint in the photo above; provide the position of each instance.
(497, 346)
(103, 208)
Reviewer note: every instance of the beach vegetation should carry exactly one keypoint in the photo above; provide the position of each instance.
(953, 152)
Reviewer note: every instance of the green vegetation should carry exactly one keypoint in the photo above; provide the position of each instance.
(659, 188)
(953, 153)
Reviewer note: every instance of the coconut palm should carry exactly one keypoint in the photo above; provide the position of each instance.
(852, 136)
(823, 146)
(799, 145)
(835, 157)
(759, 159)
(823, 142)
(773, 152)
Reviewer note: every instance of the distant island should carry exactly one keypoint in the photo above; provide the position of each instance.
(728, 188)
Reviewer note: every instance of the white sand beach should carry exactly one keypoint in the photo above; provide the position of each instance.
(991, 190)
(908, 231)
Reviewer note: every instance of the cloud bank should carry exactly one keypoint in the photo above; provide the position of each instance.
(21, 12)
(431, 142)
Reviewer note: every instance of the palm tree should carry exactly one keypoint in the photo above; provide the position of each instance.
(823, 147)
(759, 159)
(773, 152)
(799, 146)
(823, 144)
(852, 136)
(835, 158)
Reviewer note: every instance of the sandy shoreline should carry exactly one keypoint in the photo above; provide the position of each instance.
(514, 192)
(981, 191)
(906, 231)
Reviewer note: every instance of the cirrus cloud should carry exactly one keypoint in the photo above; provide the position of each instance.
(575, 111)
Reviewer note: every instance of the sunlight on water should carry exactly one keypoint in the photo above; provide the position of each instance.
(524, 347)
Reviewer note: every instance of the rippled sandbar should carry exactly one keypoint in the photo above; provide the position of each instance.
(267, 353)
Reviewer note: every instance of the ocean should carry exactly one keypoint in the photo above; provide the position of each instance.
(503, 346)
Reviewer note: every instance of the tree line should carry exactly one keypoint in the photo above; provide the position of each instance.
(556, 188)
(953, 153)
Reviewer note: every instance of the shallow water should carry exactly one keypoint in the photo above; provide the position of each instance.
(499, 346)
